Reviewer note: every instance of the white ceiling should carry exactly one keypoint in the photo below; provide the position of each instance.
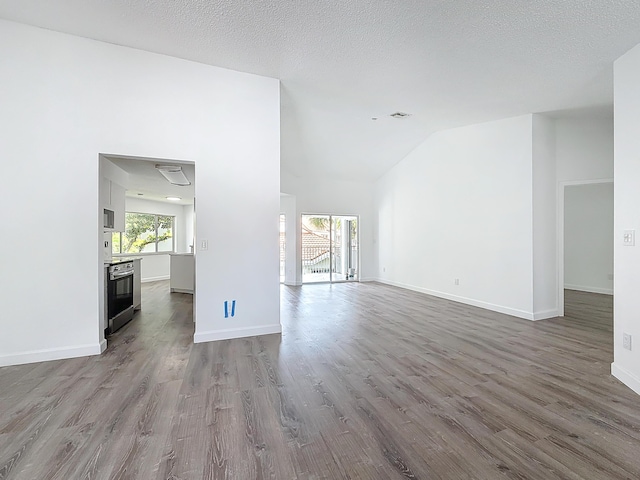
(147, 183)
(448, 63)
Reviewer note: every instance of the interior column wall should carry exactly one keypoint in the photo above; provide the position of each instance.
(545, 263)
(626, 364)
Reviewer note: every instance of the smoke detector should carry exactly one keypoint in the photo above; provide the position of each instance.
(400, 115)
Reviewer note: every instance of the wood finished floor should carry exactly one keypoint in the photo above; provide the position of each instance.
(367, 382)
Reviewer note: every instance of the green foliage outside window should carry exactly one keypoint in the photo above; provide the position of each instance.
(144, 233)
(322, 224)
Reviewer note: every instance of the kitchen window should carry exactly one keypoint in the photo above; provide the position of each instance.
(145, 233)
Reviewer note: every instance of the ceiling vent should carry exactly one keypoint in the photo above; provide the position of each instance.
(400, 115)
(174, 174)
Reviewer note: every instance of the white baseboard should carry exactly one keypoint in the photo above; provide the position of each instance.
(231, 333)
(467, 301)
(545, 314)
(34, 356)
(292, 284)
(626, 377)
(155, 279)
(582, 288)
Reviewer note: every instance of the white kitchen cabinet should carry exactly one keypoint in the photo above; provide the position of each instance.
(117, 205)
(112, 197)
(182, 272)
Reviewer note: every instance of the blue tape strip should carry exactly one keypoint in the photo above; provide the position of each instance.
(226, 309)
(233, 308)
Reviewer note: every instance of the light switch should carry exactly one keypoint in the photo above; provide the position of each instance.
(629, 238)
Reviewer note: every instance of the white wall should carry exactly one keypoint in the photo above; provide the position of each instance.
(336, 197)
(575, 147)
(66, 99)
(545, 243)
(626, 365)
(584, 148)
(588, 237)
(460, 206)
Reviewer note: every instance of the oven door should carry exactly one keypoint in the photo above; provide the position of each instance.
(120, 293)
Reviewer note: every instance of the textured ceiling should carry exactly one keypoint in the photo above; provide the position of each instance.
(446, 62)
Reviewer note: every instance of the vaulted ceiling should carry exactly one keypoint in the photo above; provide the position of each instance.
(342, 63)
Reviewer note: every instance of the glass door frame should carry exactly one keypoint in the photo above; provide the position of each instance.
(330, 216)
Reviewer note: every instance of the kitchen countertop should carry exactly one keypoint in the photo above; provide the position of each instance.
(117, 260)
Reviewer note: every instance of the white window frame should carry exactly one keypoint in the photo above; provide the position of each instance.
(156, 215)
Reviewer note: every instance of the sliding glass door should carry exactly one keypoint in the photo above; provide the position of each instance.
(316, 248)
(329, 248)
(344, 248)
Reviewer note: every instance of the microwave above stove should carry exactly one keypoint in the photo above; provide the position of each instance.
(108, 218)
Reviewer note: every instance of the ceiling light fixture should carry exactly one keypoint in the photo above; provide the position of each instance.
(174, 174)
(174, 199)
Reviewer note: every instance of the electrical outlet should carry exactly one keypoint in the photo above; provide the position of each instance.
(629, 238)
(456, 281)
(204, 245)
(626, 341)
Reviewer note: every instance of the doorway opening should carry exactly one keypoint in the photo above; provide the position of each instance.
(330, 251)
(152, 204)
(586, 241)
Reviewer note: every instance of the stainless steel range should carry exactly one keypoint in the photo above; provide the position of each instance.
(119, 295)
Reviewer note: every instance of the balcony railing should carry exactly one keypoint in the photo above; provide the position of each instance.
(315, 260)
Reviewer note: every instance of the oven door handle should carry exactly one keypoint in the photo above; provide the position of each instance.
(120, 275)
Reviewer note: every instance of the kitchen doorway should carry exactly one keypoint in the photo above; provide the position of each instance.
(151, 224)
(330, 251)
